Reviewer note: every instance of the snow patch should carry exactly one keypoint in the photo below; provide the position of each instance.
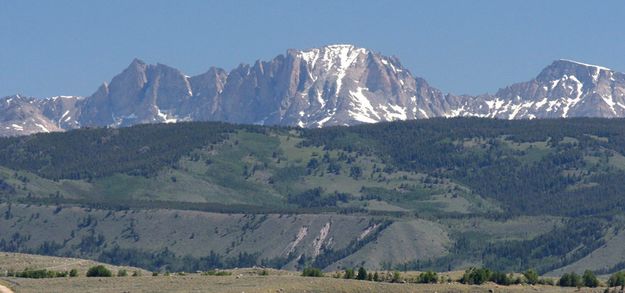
(323, 121)
(586, 64)
(552, 105)
(495, 107)
(540, 103)
(572, 102)
(43, 128)
(163, 116)
(400, 113)
(320, 99)
(63, 116)
(340, 58)
(608, 100)
(363, 107)
(395, 70)
(455, 112)
(517, 108)
(554, 83)
(188, 84)
(310, 57)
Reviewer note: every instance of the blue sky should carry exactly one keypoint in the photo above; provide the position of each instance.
(70, 47)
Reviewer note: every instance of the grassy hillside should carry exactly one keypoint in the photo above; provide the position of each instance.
(438, 193)
(17, 262)
(252, 283)
(235, 280)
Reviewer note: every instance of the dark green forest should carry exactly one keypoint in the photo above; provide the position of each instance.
(493, 169)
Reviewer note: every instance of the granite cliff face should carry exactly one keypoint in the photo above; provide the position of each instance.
(327, 86)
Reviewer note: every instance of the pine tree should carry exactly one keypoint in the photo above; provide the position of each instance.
(362, 274)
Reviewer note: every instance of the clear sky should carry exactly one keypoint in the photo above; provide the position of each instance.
(61, 47)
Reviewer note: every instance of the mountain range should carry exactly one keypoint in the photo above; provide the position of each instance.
(327, 86)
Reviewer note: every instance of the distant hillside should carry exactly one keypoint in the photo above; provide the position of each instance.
(438, 193)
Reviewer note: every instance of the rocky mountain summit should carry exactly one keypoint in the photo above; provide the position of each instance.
(327, 86)
(563, 89)
(21, 115)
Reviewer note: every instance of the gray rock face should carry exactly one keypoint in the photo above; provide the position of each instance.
(332, 85)
(563, 89)
(25, 115)
(140, 94)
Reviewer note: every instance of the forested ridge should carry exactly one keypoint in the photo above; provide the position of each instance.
(493, 168)
(554, 187)
(97, 152)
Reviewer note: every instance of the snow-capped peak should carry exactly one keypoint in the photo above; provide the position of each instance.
(333, 56)
(66, 97)
(341, 47)
(585, 64)
(310, 56)
(331, 62)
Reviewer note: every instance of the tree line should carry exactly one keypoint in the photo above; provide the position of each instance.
(476, 276)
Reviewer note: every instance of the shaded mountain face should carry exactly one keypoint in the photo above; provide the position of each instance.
(140, 94)
(332, 85)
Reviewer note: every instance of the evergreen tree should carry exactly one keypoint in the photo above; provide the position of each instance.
(589, 279)
(362, 274)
